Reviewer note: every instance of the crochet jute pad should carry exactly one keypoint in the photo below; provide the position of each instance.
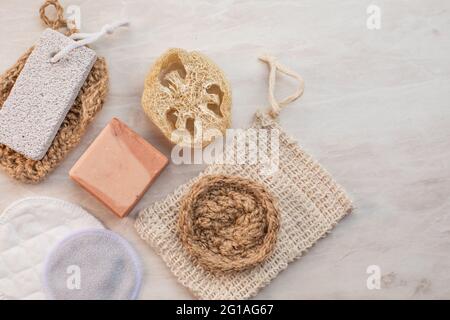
(88, 102)
(228, 223)
(310, 205)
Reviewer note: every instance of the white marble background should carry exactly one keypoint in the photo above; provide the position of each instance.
(375, 113)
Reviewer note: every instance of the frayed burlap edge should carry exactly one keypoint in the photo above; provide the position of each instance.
(88, 102)
(310, 204)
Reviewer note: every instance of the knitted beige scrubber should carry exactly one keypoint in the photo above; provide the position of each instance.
(88, 102)
(310, 204)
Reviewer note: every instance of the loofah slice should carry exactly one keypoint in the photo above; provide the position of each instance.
(228, 223)
(187, 96)
(88, 102)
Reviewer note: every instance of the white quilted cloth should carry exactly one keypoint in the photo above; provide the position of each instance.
(29, 229)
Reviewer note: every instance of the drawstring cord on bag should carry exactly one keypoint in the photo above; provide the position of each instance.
(83, 38)
(275, 66)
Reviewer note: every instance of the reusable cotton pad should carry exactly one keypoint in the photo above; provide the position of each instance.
(93, 265)
(29, 228)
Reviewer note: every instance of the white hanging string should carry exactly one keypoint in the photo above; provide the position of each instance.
(88, 38)
(274, 65)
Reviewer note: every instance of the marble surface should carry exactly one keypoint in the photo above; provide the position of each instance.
(375, 113)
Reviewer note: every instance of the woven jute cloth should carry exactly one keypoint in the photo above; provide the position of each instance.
(310, 204)
(88, 102)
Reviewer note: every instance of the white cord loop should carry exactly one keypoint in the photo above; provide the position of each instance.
(88, 38)
(275, 66)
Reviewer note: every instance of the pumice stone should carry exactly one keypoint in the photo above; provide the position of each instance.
(43, 94)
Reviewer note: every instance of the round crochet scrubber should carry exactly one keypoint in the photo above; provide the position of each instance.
(228, 223)
(187, 96)
(93, 264)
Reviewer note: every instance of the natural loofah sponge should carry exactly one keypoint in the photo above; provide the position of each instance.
(187, 96)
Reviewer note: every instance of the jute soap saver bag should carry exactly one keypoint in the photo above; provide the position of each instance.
(308, 200)
(87, 104)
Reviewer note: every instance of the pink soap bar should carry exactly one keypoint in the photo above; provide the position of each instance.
(118, 167)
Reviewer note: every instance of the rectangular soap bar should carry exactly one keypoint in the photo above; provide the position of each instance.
(43, 94)
(118, 167)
